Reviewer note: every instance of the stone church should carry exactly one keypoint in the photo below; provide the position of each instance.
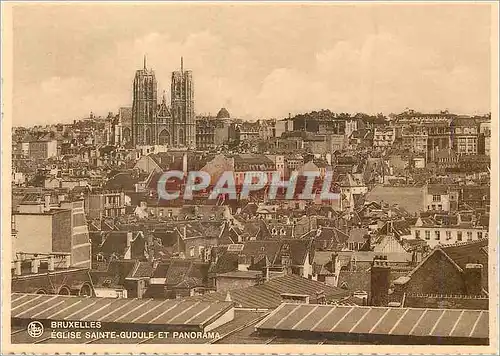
(156, 123)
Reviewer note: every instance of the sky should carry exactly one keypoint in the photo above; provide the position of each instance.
(258, 60)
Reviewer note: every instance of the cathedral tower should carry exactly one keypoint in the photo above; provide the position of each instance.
(182, 108)
(144, 107)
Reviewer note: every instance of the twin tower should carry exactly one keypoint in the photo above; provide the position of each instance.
(173, 125)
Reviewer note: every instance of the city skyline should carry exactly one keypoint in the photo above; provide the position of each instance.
(370, 59)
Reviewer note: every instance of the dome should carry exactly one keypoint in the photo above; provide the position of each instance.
(223, 114)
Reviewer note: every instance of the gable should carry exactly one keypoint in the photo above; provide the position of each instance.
(437, 274)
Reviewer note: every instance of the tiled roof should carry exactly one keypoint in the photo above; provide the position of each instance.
(142, 269)
(176, 271)
(226, 262)
(328, 238)
(268, 295)
(123, 181)
(467, 252)
(357, 235)
(114, 276)
(273, 249)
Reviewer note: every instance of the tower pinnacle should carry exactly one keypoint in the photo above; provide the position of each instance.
(144, 62)
(182, 65)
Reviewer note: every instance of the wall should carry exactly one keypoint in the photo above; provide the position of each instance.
(197, 243)
(110, 293)
(34, 233)
(61, 231)
(443, 239)
(94, 206)
(147, 164)
(307, 269)
(80, 251)
(437, 275)
(444, 202)
(52, 148)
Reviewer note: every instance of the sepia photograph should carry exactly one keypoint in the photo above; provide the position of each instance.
(284, 177)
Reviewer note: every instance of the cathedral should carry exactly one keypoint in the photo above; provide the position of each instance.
(156, 123)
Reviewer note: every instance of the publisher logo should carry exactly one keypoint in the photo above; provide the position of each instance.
(35, 329)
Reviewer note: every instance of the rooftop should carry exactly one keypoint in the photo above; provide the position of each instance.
(418, 323)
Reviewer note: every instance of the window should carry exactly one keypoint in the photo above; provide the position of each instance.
(191, 251)
(469, 235)
(459, 235)
(436, 197)
(437, 234)
(479, 234)
(417, 234)
(427, 235)
(448, 235)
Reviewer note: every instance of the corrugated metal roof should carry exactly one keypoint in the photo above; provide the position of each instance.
(111, 310)
(378, 320)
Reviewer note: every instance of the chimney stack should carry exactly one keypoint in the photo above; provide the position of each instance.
(47, 202)
(35, 263)
(472, 278)
(334, 262)
(184, 163)
(51, 266)
(67, 261)
(380, 281)
(18, 270)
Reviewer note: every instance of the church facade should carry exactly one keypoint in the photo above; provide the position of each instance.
(156, 123)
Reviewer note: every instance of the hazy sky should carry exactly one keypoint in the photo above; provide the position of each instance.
(258, 61)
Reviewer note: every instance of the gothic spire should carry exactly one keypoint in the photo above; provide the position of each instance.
(144, 62)
(182, 64)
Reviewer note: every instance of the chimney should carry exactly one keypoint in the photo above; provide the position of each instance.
(51, 266)
(334, 261)
(380, 281)
(47, 202)
(18, 270)
(35, 263)
(128, 251)
(472, 278)
(184, 163)
(67, 261)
